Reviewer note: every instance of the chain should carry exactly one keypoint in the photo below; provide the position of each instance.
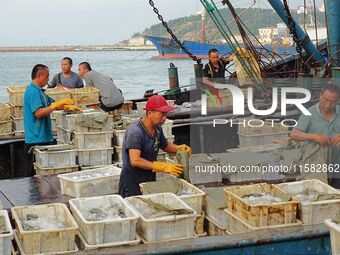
(292, 31)
(165, 25)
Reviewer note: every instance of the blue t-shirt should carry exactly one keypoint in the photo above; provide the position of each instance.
(137, 137)
(36, 130)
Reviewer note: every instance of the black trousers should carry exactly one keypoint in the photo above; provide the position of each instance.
(29, 159)
(109, 109)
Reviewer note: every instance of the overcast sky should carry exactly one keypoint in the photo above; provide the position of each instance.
(73, 22)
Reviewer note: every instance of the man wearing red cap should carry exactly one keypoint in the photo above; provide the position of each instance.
(141, 144)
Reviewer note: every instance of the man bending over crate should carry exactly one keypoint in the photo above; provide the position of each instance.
(323, 128)
(37, 109)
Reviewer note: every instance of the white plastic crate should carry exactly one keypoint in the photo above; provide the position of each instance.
(164, 228)
(53, 171)
(214, 213)
(118, 137)
(314, 212)
(46, 240)
(334, 229)
(91, 140)
(57, 159)
(193, 200)
(68, 122)
(6, 238)
(74, 185)
(118, 156)
(167, 128)
(262, 139)
(95, 157)
(105, 231)
(18, 124)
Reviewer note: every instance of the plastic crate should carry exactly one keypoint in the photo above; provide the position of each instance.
(117, 155)
(214, 213)
(5, 112)
(92, 140)
(118, 137)
(105, 231)
(16, 94)
(58, 94)
(214, 228)
(46, 240)
(167, 128)
(167, 227)
(6, 238)
(334, 229)
(53, 171)
(95, 157)
(314, 212)
(194, 200)
(18, 124)
(238, 226)
(262, 139)
(56, 159)
(96, 186)
(85, 96)
(5, 127)
(265, 214)
(16, 111)
(68, 122)
(126, 108)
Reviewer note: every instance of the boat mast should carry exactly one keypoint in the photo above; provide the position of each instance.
(203, 26)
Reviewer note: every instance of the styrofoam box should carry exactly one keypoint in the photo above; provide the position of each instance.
(57, 159)
(18, 124)
(261, 139)
(314, 212)
(194, 200)
(167, 128)
(334, 228)
(95, 157)
(68, 122)
(106, 231)
(216, 214)
(6, 239)
(167, 227)
(48, 240)
(118, 137)
(97, 186)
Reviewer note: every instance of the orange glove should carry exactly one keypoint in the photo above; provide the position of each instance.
(72, 108)
(61, 103)
(169, 168)
(184, 147)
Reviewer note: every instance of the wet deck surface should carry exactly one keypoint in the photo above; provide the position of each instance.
(30, 191)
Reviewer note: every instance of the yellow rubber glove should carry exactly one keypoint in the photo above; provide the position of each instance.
(169, 168)
(61, 103)
(72, 108)
(184, 147)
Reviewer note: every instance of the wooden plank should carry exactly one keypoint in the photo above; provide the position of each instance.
(31, 191)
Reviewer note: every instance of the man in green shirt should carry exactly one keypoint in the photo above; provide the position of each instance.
(323, 126)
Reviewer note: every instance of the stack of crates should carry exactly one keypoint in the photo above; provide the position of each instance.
(16, 98)
(57, 159)
(94, 145)
(5, 120)
(85, 97)
(57, 94)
